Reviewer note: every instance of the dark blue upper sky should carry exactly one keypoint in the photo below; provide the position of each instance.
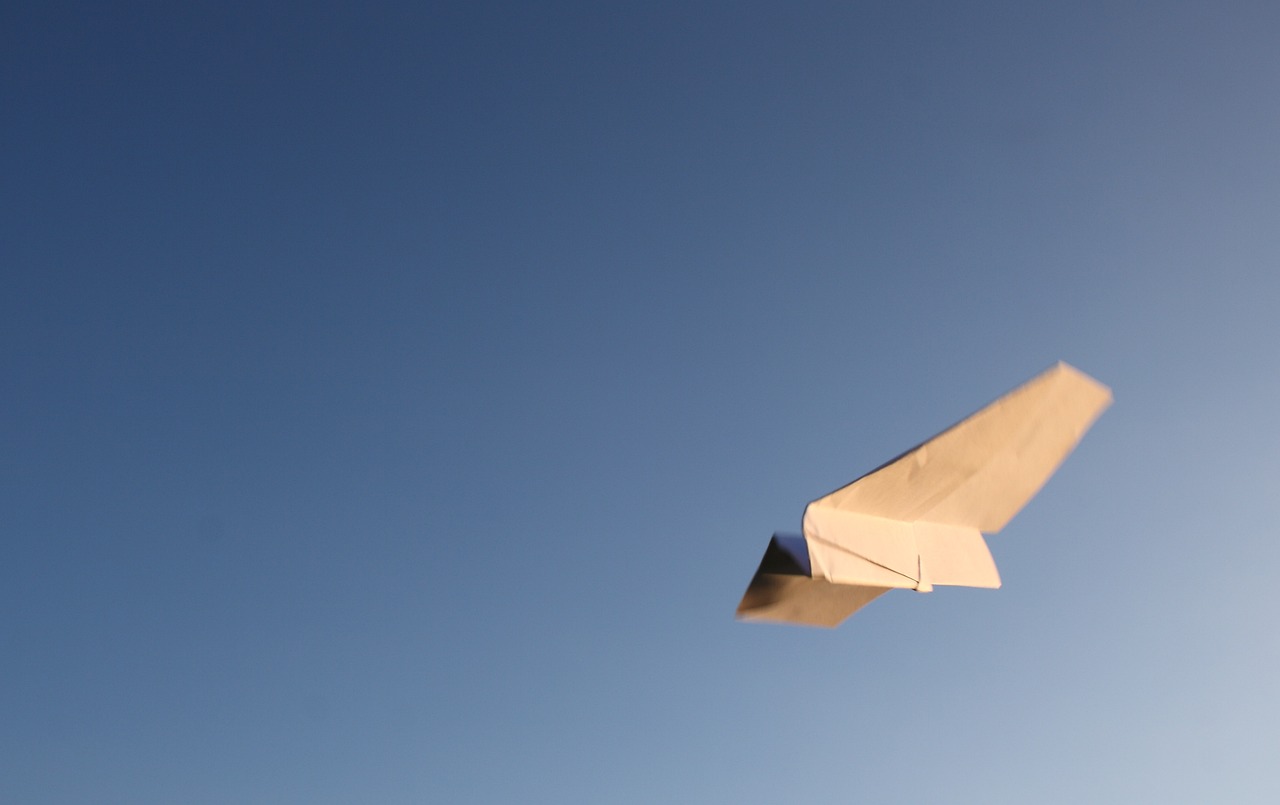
(397, 398)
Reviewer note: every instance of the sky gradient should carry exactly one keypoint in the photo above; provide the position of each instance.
(397, 398)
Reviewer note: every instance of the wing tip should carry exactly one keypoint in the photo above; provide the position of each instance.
(1064, 369)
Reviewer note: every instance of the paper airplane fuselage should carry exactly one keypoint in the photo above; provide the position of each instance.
(918, 520)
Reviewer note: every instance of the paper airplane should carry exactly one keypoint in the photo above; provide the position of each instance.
(918, 520)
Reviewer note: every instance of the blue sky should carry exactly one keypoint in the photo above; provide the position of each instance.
(397, 398)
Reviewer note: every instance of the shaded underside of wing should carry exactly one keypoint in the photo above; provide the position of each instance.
(983, 470)
(784, 591)
(784, 598)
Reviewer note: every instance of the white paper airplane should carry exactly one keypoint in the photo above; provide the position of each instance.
(918, 520)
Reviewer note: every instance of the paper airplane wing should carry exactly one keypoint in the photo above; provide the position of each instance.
(980, 472)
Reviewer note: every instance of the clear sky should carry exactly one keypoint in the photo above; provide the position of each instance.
(397, 398)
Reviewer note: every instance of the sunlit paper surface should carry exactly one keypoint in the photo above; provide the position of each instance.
(918, 520)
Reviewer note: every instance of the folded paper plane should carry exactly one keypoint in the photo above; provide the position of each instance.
(918, 520)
